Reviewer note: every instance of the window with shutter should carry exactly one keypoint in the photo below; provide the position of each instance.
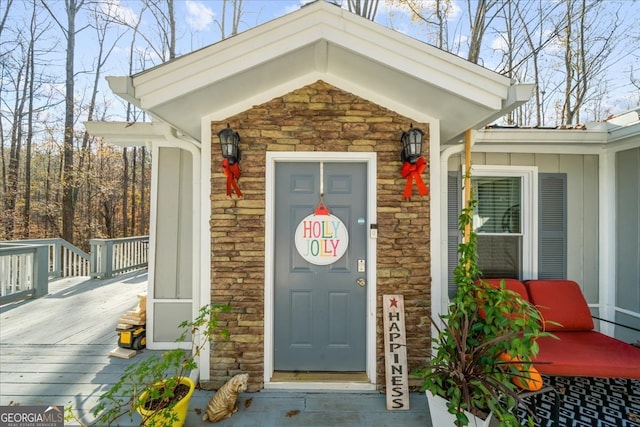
(504, 220)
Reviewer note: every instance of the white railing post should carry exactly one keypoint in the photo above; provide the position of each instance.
(24, 271)
(40, 269)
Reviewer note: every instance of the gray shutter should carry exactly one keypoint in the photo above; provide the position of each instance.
(454, 191)
(552, 226)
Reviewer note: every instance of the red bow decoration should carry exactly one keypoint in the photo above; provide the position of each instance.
(411, 172)
(232, 172)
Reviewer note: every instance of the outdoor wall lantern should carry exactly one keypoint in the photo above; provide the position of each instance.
(413, 164)
(411, 145)
(230, 144)
(230, 147)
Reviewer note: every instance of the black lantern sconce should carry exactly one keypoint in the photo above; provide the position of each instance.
(411, 145)
(230, 144)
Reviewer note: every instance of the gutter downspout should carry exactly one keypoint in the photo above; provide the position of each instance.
(440, 298)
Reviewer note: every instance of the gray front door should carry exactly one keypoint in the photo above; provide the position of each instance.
(320, 310)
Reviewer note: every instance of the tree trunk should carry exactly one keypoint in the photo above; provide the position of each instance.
(125, 192)
(26, 216)
(68, 175)
(15, 150)
(133, 190)
(172, 29)
(477, 30)
(143, 195)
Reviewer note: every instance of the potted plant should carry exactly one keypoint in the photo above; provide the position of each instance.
(158, 387)
(483, 346)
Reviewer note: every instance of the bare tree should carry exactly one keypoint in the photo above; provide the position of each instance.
(163, 12)
(588, 45)
(236, 15)
(525, 31)
(72, 9)
(478, 23)
(635, 81)
(20, 86)
(26, 213)
(5, 15)
(365, 8)
(435, 18)
(101, 23)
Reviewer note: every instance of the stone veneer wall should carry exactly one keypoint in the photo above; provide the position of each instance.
(317, 117)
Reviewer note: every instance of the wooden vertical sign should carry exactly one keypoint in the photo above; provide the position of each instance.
(395, 353)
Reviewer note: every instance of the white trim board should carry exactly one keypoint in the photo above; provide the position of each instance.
(272, 159)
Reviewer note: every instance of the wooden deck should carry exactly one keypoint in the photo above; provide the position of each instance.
(55, 350)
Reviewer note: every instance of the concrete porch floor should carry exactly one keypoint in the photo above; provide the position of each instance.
(55, 351)
(291, 408)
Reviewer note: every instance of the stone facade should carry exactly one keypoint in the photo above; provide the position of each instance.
(317, 117)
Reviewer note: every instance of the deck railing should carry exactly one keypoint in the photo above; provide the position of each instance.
(23, 271)
(110, 257)
(27, 265)
(64, 259)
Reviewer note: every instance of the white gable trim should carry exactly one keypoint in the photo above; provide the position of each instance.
(322, 42)
(320, 23)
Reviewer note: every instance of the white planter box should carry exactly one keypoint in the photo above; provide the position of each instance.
(440, 415)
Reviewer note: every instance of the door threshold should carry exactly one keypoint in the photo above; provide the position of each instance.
(316, 380)
(318, 376)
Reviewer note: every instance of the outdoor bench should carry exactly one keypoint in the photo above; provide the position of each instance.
(579, 350)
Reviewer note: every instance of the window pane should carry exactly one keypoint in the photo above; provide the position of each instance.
(498, 208)
(500, 257)
(498, 224)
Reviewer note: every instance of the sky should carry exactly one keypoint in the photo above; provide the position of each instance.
(198, 26)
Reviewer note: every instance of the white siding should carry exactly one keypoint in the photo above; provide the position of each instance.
(628, 240)
(172, 286)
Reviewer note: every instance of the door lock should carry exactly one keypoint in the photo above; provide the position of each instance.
(361, 282)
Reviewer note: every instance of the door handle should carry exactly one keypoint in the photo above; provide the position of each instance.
(361, 282)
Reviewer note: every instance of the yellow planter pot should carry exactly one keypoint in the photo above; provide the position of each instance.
(157, 418)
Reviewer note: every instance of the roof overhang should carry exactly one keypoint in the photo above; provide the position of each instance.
(616, 133)
(129, 134)
(323, 42)
(622, 127)
(535, 136)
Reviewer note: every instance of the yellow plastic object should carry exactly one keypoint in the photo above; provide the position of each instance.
(126, 337)
(133, 337)
(180, 409)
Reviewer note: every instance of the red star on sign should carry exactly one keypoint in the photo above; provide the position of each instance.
(394, 303)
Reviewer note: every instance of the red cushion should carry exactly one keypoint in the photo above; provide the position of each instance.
(511, 284)
(587, 354)
(560, 301)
